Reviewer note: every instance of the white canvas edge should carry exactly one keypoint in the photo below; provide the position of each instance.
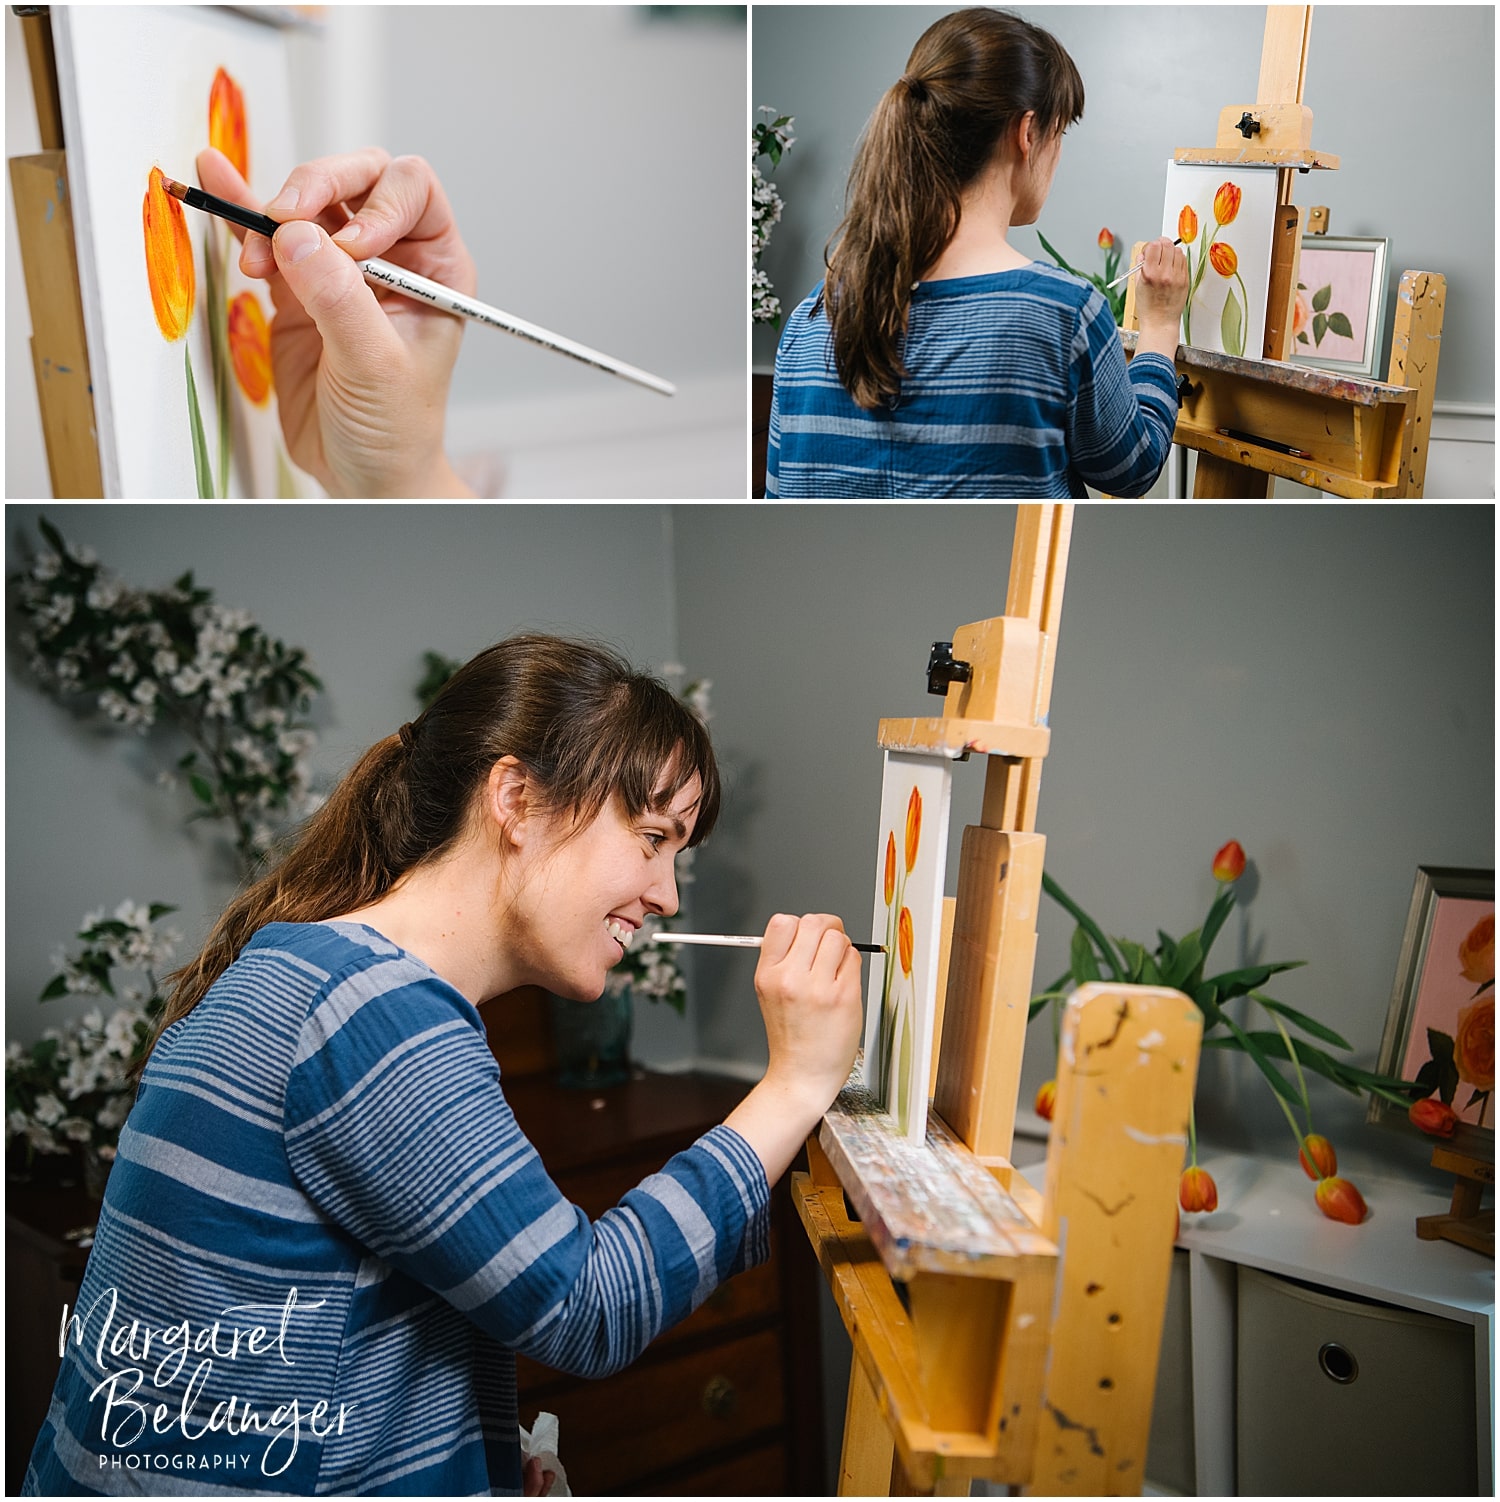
(83, 240)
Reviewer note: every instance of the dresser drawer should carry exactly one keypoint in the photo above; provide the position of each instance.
(660, 1415)
(1341, 1396)
(761, 1472)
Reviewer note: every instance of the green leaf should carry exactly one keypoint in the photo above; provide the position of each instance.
(1306, 1023)
(159, 910)
(1085, 964)
(1106, 950)
(1218, 913)
(203, 790)
(200, 446)
(1186, 963)
(1303, 339)
(1045, 246)
(1234, 983)
(1322, 297)
(1232, 325)
(1206, 998)
(1320, 327)
(57, 986)
(1338, 323)
(1278, 1083)
(1134, 956)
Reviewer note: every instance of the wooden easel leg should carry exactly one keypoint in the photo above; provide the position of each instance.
(1416, 340)
(869, 1447)
(1219, 479)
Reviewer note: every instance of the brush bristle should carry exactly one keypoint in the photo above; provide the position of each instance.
(176, 189)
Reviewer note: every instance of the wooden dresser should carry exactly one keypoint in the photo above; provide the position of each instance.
(726, 1404)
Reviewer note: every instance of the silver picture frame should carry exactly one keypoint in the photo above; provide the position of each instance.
(1372, 253)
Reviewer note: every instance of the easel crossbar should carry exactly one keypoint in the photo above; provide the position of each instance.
(927, 1207)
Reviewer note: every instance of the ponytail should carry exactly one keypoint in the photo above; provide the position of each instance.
(584, 724)
(970, 78)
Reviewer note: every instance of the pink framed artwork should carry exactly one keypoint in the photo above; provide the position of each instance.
(1440, 1031)
(1340, 310)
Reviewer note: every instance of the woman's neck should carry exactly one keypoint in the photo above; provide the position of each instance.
(979, 245)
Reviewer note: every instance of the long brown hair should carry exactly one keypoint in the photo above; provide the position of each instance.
(970, 78)
(584, 724)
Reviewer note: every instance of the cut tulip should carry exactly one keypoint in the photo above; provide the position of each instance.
(1324, 1161)
(1338, 1199)
(1229, 863)
(1197, 1192)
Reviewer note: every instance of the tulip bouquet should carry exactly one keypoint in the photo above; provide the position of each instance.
(1182, 964)
(1221, 256)
(239, 335)
(1109, 243)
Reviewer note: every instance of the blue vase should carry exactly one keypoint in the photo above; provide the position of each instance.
(592, 1039)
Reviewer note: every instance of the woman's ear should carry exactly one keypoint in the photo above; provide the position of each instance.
(508, 800)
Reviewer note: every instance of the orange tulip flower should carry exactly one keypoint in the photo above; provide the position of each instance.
(1474, 1044)
(1223, 259)
(169, 259)
(1187, 225)
(1197, 1191)
(1229, 863)
(1338, 1199)
(1476, 955)
(1434, 1117)
(1106, 239)
(906, 939)
(250, 348)
(1227, 203)
(226, 122)
(1046, 1100)
(1323, 1160)
(913, 828)
(890, 867)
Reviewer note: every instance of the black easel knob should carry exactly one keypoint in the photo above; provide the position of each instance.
(943, 668)
(1248, 126)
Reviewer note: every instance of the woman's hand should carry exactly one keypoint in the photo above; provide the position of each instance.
(809, 984)
(1161, 297)
(361, 377)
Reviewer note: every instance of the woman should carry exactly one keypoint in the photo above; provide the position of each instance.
(937, 359)
(325, 1237)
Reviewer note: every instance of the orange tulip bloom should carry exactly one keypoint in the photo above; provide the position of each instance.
(913, 828)
(1338, 1199)
(1227, 203)
(1229, 863)
(1223, 259)
(890, 867)
(1476, 955)
(1187, 225)
(1474, 1044)
(1046, 1100)
(1197, 1191)
(1324, 1161)
(906, 939)
(250, 348)
(1106, 239)
(1434, 1117)
(169, 259)
(226, 122)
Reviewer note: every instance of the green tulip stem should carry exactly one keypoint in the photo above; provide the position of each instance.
(1291, 1053)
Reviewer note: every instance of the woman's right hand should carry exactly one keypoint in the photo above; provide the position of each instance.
(809, 981)
(1163, 290)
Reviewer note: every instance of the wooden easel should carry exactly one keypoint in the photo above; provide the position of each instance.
(1000, 1333)
(1360, 438)
(1470, 1158)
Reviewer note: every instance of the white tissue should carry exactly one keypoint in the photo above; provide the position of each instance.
(541, 1444)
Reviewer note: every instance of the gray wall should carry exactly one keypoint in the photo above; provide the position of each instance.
(1404, 95)
(366, 590)
(1315, 682)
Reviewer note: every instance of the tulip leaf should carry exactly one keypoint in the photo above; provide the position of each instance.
(1206, 997)
(1135, 959)
(1306, 1023)
(1278, 1083)
(1338, 323)
(1187, 961)
(1232, 326)
(1234, 983)
(1085, 963)
(1045, 246)
(200, 447)
(1106, 950)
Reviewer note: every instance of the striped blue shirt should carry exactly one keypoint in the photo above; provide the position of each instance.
(1017, 386)
(325, 1236)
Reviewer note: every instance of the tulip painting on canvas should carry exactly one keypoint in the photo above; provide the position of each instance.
(908, 914)
(1224, 219)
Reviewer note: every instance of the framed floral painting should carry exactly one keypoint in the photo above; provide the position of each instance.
(1440, 1030)
(179, 338)
(1340, 310)
(901, 997)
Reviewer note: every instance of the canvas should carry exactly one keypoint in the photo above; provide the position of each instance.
(172, 324)
(908, 921)
(1225, 217)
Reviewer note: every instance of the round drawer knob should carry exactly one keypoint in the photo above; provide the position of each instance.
(1338, 1362)
(720, 1398)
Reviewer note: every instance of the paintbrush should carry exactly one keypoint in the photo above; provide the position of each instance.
(1126, 277)
(736, 941)
(409, 284)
